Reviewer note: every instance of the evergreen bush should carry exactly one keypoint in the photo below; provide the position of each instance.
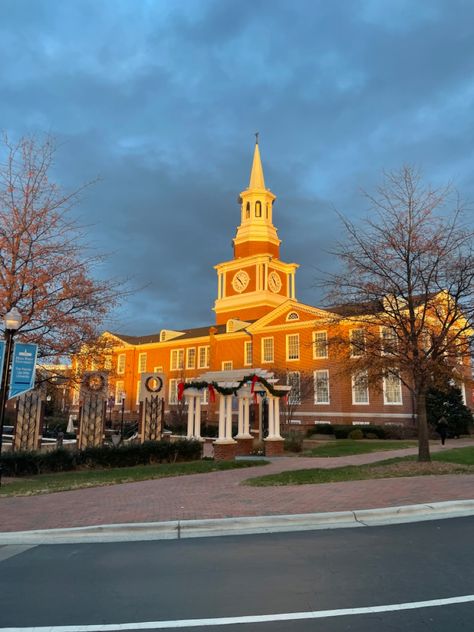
(61, 460)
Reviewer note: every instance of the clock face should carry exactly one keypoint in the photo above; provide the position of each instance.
(240, 281)
(274, 281)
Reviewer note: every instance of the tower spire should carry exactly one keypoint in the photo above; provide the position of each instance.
(257, 180)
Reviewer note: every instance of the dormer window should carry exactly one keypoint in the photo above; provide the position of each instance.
(258, 209)
(247, 210)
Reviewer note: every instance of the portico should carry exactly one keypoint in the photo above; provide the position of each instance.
(231, 386)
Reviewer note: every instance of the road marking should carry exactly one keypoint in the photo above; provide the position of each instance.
(263, 618)
(11, 550)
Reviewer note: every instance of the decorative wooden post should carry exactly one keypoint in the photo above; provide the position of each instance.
(92, 412)
(151, 406)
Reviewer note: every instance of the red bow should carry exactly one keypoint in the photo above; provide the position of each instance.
(181, 387)
(254, 381)
(252, 389)
(212, 393)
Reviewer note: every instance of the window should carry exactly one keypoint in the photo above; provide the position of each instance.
(141, 362)
(203, 358)
(293, 347)
(267, 349)
(320, 344)
(177, 359)
(392, 389)
(108, 363)
(389, 340)
(293, 316)
(121, 363)
(360, 388)
(266, 210)
(173, 392)
(119, 384)
(321, 387)
(227, 365)
(357, 342)
(248, 353)
(258, 209)
(191, 358)
(137, 400)
(293, 379)
(247, 210)
(158, 369)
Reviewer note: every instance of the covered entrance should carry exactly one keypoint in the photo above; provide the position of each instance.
(237, 390)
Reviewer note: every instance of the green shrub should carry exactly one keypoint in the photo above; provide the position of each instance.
(60, 460)
(400, 432)
(320, 429)
(28, 463)
(344, 431)
(371, 435)
(356, 434)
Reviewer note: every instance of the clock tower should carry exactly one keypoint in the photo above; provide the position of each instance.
(255, 281)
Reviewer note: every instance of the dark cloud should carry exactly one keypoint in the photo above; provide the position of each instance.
(160, 99)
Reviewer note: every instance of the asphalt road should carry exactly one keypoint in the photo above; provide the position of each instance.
(231, 577)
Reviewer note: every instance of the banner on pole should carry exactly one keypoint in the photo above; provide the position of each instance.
(2, 357)
(22, 377)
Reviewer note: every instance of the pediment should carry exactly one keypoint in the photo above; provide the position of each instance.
(291, 313)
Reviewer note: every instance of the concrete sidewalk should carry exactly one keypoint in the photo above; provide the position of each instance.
(220, 495)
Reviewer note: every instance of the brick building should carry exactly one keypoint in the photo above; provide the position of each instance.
(260, 323)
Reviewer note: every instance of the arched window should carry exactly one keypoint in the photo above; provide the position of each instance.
(258, 209)
(247, 210)
(266, 210)
(293, 316)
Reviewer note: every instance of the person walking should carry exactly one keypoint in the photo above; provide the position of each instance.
(442, 428)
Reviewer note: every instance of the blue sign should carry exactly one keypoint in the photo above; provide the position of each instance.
(2, 357)
(23, 369)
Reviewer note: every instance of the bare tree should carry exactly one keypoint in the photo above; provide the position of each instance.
(45, 270)
(407, 280)
(302, 392)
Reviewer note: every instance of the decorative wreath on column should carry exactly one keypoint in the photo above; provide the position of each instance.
(153, 384)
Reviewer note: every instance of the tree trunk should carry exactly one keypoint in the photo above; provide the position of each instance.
(423, 434)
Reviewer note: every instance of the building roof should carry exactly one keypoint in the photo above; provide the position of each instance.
(195, 332)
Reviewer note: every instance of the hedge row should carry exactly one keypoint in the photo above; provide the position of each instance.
(369, 432)
(61, 460)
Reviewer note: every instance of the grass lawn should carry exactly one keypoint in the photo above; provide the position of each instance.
(456, 461)
(347, 447)
(63, 481)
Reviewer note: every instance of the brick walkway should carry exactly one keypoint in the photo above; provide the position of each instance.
(220, 495)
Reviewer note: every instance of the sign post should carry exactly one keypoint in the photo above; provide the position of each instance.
(23, 369)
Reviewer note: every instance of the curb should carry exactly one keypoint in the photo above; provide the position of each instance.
(182, 529)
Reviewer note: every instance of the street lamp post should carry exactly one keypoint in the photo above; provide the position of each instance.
(121, 422)
(12, 322)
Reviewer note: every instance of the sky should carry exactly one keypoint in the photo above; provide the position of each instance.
(159, 100)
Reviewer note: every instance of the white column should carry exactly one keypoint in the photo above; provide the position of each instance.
(221, 418)
(247, 416)
(240, 423)
(277, 417)
(190, 400)
(228, 406)
(271, 417)
(197, 417)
